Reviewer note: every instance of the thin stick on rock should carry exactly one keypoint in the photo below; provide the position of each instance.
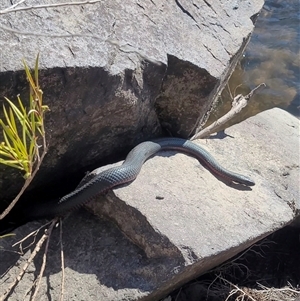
(62, 264)
(39, 278)
(14, 9)
(238, 103)
(29, 261)
(26, 184)
(34, 234)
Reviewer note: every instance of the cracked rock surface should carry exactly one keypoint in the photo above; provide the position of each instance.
(115, 73)
(177, 219)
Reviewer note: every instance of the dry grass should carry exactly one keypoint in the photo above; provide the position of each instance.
(261, 273)
(262, 293)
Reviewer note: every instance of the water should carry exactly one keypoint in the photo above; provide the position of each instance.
(273, 57)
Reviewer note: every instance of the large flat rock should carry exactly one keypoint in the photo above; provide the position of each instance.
(178, 219)
(118, 34)
(115, 73)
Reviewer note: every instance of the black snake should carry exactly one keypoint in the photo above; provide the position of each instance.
(129, 170)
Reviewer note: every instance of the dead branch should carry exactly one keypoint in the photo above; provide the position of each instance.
(34, 234)
(24, 8)
(39, 278)
(238, 103)
(236, 290)
(62, 265)
(29, 261)
(11, 7)
(27, 183)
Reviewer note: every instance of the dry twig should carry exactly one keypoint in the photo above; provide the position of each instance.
(32, 234)
(62, 264)
(14, 9)
(241, 294)
(39, 278)
(26, 184)
(30, 259)
(238, 103)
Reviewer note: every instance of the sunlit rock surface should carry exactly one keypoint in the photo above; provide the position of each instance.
(178, 219)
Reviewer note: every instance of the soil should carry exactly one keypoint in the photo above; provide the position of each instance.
(268, 271)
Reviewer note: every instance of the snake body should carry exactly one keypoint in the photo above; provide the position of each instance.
(130, 169)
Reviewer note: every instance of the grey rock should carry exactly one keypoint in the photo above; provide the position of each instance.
(115, 73)
(201, 221)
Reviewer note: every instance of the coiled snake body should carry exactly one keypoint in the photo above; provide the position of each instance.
(131, 167)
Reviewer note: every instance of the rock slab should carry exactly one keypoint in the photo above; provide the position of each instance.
(178, 220)
(115, 73)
